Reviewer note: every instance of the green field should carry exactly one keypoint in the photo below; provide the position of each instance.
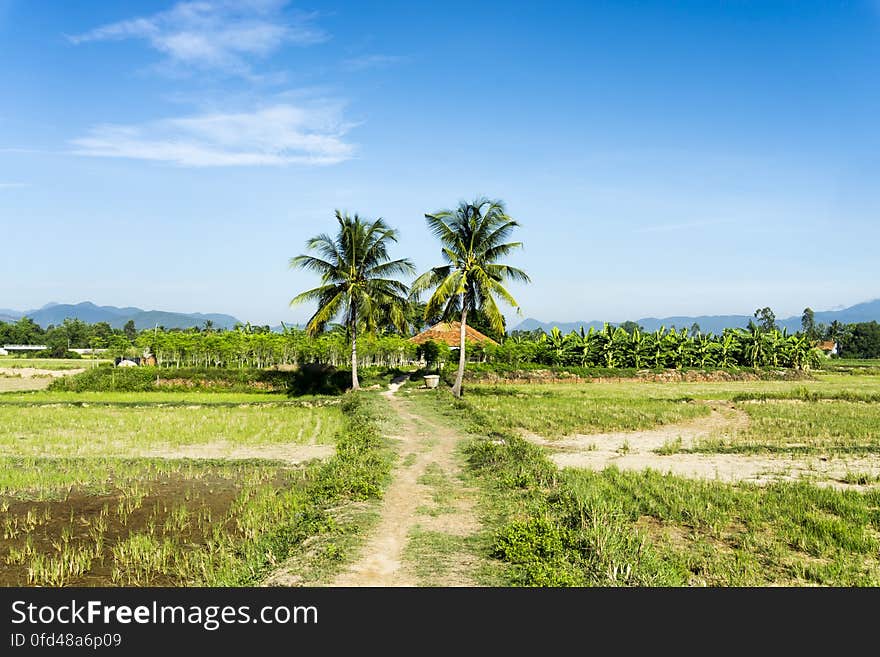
(51, 363)
(820, 427)
(613, 527)
(560, 410)
(209, 487)
(171, 488)
(120, 431)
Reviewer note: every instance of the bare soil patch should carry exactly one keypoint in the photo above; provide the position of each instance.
(637, 450)
(22, 379)
(31, 372)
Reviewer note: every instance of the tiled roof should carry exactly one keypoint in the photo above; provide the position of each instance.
(450, 333)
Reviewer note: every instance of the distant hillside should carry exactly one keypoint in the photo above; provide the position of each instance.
(56, 313)
(862, 312)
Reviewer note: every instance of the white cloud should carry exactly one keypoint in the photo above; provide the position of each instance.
(271, 136)
(370, 61)
(215, 34)
(12, 185)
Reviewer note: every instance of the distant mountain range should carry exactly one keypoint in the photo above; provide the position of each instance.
(56, 313)
(862, 312)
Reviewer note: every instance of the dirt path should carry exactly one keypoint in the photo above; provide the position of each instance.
(423, 507)
(637, 450)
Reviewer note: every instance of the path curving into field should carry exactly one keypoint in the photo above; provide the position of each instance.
(425, 448)
(637, 450)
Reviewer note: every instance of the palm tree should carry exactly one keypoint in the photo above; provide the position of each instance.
(356, 280)
(474, 238)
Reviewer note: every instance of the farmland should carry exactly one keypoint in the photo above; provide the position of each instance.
(608, 484)
(175, 488)
(609, 481)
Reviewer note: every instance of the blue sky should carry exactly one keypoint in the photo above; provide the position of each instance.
(663, 158)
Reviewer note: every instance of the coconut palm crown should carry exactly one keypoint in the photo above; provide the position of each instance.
(357, 280)
(474, 240)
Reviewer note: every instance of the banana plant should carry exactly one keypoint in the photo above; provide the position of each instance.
(728, 346)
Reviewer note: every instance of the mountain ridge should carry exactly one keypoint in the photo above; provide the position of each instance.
(861, 312)
(87, 311)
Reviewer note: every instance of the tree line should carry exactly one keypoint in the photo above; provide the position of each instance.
(364, 314)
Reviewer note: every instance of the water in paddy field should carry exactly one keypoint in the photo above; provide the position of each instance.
(42, 541)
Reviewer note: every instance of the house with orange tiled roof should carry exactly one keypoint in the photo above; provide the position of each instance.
(827, 347)
(450, 333)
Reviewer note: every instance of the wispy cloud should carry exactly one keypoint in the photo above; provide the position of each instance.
(365, 62)
(12, 185)
(215, 34)
(270, 136)
(666, 228)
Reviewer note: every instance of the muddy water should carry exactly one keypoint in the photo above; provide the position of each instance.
(145, 510)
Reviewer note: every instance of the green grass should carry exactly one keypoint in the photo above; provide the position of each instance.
(442, 490)
(46, 478)
(561, 410)
(105, 430)
(819, 427)
(612, 528)
(146, 399)
(718, 534)
(50, 363)
(435, 557)
(105, 521)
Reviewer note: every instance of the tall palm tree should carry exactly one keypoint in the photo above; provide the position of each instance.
(474, 238)
(356, 279)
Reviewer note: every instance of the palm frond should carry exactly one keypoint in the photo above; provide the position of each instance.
(401, 266)
(506, 272)
(430, 278)
(327, 310)
(311, 263)
(447, 288)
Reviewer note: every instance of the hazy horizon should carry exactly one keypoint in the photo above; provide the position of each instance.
(512, 319)
(663, 160)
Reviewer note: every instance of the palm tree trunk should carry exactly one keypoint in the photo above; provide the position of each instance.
(355, 385)
(456, 389)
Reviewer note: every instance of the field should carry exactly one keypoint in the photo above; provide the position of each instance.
(629, 482)
(635, 483)
(171, 488)
(12, 362)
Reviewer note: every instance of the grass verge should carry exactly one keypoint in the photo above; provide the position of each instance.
(612, 528)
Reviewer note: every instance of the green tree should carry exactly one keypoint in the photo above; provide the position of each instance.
(766, 318)
(474, 239)
(26, 331)
(861, 340)
(129, 330)
(102, 332)
(630, 327)
(483, 324)
(808, 324)
(356, 282)
(836, 331)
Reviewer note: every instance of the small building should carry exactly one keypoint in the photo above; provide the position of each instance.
(449, 333)
(23, 347)
(827, 347)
